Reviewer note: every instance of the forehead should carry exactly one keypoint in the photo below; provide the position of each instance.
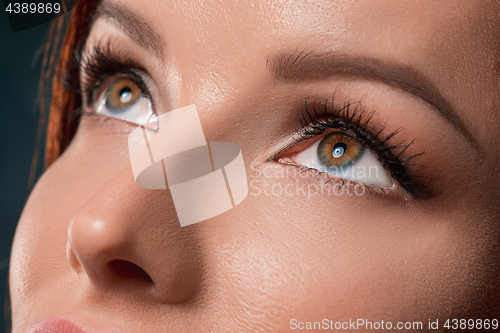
(346, 22)
(433, 35)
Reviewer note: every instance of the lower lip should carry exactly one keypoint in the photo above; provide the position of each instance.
(56, 325)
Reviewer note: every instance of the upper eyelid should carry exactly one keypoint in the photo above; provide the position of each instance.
(95, 63)
(101, 62)
(301, 125)
(294, 66)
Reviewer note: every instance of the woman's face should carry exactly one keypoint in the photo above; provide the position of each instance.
(421, 243)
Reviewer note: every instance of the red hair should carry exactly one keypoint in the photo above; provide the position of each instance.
(61, 128)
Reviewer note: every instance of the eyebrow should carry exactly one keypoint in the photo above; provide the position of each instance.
(305, 66)
(136, 27)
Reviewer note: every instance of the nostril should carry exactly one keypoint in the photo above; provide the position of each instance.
(126, 270)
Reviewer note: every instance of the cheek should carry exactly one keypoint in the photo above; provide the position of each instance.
(39, 261)
(342, 258)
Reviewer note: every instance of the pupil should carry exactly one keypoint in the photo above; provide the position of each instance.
(125, 95)
(339, 149)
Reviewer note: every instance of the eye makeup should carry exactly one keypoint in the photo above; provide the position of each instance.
(318, 118)
(88, 70)
(111, 84)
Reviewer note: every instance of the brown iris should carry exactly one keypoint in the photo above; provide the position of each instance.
(122, 93)
(339, 150)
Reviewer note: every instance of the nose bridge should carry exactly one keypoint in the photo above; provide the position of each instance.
(130, 237)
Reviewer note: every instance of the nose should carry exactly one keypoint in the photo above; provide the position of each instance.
(127, 239)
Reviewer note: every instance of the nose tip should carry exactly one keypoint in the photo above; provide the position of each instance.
(126, 240)
(101, 251)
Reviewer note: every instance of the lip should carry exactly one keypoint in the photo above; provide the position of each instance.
(58, 325)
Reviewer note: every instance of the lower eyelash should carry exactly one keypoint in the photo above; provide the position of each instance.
(352, 118)
(80, 113)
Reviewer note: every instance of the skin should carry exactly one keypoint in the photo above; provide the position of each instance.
(274, 258)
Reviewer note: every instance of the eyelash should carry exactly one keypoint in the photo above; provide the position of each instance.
(352, 118)
(102, 63)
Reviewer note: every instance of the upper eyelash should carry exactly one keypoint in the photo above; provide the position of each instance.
(352, 118)
(98, 65)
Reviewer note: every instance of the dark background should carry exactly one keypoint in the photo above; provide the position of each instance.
(19, 113)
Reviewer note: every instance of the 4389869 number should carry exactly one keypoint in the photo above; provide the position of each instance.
(33, 7)
(471, 324)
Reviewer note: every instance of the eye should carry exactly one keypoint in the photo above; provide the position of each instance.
(342, 155)
(124, 99)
